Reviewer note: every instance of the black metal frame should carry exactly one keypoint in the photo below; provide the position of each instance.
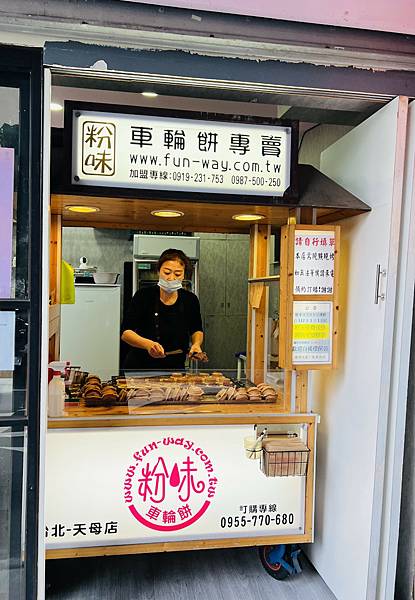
(22, 68)
(289, 198)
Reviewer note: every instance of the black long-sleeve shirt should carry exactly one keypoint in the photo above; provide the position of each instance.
(170, 325)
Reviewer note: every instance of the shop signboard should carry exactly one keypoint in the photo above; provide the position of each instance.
(309, 291)
(174, 153)
(131, 485)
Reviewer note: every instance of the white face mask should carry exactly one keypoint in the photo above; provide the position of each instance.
(169, 286)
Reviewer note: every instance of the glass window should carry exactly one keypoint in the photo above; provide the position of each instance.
(12, 470)
(20, 298)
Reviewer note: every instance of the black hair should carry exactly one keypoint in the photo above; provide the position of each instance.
(174, 254)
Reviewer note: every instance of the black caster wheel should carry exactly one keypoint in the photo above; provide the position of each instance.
(278, 561)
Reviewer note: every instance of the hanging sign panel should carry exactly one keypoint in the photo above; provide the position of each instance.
(141, 151)
(309, 291)
(312, 332)
(314, 262)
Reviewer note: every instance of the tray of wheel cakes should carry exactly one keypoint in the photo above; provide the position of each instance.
(169, 389)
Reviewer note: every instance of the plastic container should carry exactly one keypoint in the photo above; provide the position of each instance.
(62, 366)
(105, 278)
(56, 396)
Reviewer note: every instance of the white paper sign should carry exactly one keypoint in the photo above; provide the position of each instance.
(138, 151)
(152, 484)
(7, 335)
(314, 262)
(312, 332)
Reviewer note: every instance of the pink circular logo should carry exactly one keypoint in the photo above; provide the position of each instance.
(169, 484)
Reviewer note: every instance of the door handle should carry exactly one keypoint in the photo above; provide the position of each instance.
(378, 294)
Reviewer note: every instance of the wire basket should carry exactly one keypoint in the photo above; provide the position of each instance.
(284, 463)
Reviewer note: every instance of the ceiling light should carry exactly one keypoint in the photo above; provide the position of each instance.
(82, 209)
(167, 213)
(247, 217)
(56, 106)
(149, 94)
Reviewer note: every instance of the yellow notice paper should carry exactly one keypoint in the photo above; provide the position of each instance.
(311, 331)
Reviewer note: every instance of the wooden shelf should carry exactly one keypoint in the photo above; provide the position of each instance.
(267, 279)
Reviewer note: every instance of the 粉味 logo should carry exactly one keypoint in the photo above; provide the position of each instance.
(169, 484)
(98, 148)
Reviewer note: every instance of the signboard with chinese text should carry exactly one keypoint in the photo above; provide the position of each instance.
(170, 154)
(312, 332)
(155, 484)
(314, 262)
(309, 309)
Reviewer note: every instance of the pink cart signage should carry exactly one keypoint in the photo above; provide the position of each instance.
(170, 484)
(133, 485)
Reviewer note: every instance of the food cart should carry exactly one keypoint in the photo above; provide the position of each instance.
(202, 459)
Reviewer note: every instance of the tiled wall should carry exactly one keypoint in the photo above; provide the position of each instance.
(108, 250)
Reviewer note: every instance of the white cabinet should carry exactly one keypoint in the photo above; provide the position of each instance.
(90, 329)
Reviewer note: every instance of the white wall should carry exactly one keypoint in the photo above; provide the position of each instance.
(349, 398)
(381, 15)
(318, 139)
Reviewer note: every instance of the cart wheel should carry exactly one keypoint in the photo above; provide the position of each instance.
(271, 556)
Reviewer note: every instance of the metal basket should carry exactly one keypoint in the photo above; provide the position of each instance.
(284, 463)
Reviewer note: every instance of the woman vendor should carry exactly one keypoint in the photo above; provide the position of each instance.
(162, 319)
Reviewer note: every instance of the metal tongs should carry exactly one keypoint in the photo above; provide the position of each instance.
(262, 436)
(200, 356)
(257, 446)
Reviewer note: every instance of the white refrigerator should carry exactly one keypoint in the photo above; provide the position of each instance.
(90, 329)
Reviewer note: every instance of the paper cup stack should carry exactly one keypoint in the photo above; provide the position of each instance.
(253, 447)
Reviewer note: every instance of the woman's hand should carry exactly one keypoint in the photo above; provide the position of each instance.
(155, 350)
(197, 353)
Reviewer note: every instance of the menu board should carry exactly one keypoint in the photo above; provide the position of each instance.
(314, 253)
(312, 332)
(309, 304)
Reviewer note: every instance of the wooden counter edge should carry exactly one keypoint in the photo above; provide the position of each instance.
(151, 421)
(176, 546)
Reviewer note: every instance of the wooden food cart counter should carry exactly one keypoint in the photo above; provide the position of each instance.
(112, 489)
